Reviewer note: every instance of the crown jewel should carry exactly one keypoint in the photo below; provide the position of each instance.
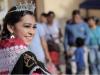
(25, 6)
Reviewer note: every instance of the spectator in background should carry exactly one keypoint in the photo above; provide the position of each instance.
(52, 28)
(43, 18)
(76, 28)
(39, 45)
(53, 35)
(79, 56)
(43, 23)
(94, 44)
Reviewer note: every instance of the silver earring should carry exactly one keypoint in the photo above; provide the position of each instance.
(12, 36)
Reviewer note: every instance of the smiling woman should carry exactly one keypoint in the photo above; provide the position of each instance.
(24, 29)
(18, 30)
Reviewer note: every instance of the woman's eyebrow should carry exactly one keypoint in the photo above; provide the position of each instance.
(27, 24)
(30, 24)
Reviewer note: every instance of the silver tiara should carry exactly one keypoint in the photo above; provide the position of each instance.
(25, 7)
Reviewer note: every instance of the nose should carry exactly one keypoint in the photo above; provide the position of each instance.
(32, 31)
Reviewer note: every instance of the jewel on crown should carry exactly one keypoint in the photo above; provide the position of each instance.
(25, 6)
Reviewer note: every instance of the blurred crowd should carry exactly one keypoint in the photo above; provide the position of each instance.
(81, 43)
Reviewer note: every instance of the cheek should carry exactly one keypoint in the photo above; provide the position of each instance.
(20, 32)
(90, 22)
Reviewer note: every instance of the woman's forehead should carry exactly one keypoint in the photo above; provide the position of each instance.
(28, 18)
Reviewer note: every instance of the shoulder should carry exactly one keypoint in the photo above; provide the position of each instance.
(85, 24)
(29, 65)
(11, 42)
(39, 25)
(79, 50)
(70, 26)
(98, 27)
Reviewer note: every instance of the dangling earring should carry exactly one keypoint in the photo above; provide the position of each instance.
(12, 36)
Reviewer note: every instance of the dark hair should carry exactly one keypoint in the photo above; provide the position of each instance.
(11, 19)
(75, 12)
(79, 42)
(51, 13)
(44, 14)
(93, 18)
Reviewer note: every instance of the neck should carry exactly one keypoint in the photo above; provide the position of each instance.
(93, 27)
(49, 23)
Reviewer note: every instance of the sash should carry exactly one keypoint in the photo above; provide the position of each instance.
(28, 64)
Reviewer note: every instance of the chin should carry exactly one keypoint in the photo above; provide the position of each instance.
(27, 43)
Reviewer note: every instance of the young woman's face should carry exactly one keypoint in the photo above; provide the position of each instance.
(25, 29)
(91, 23)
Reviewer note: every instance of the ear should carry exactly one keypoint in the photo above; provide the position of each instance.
(10, 28)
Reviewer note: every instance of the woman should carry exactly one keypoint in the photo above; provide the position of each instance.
(53, 37)
(94, 44)
(19, 28)
(38, 45)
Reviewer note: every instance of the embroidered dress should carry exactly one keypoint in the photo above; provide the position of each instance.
(15, 58)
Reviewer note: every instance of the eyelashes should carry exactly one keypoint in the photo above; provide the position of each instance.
(29, 26)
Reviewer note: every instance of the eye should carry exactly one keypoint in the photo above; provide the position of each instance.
(34, 26)
(27, 26)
